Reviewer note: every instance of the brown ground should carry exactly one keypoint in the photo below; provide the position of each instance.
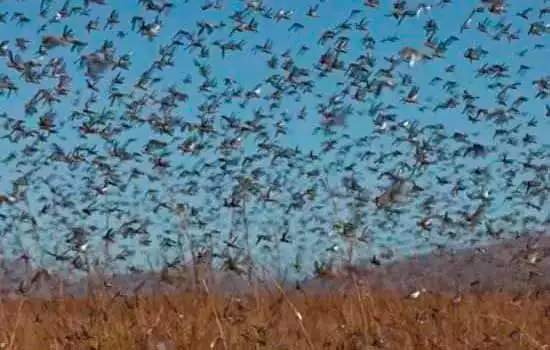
(490, 300)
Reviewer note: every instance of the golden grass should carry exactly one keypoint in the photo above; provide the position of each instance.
(274, 319)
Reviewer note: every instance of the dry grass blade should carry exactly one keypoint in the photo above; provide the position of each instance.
(218, 320)
(16, 325)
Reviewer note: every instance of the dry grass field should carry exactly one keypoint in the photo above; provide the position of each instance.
(354, 318)
(497, 302)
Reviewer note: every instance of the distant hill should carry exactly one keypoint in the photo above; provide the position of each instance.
(518, 265)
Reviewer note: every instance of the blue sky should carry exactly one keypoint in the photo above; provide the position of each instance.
(249, 69)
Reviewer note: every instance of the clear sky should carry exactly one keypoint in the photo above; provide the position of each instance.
(249, 69)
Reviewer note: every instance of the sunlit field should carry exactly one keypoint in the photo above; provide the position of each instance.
(357, 317)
